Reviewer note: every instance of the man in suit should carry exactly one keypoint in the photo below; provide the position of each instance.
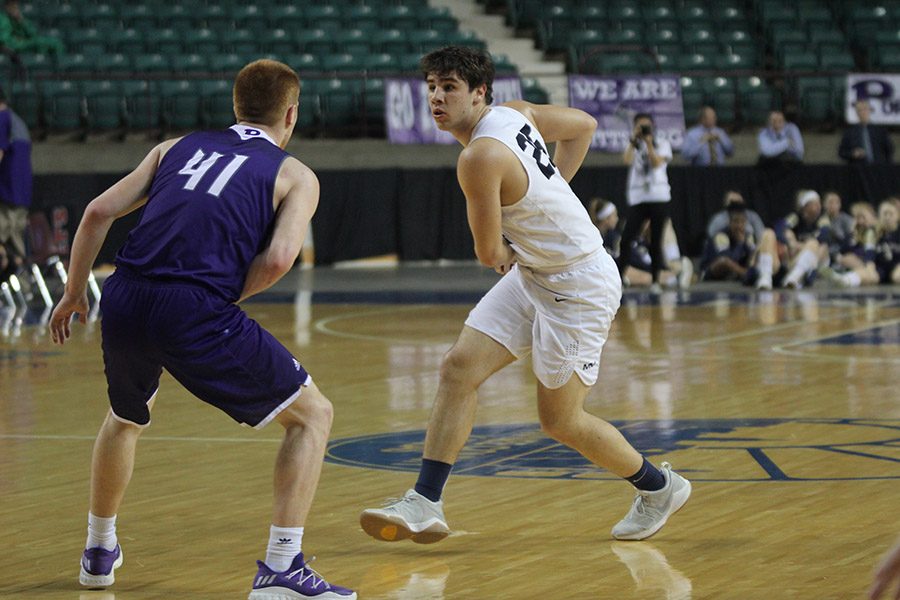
(865, 143)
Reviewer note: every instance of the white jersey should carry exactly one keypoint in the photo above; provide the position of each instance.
(548, 228)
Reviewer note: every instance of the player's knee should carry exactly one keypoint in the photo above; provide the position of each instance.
(312, 410)
(455, 366)
(558, 428)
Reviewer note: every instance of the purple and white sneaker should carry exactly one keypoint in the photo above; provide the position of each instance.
(98, 567)
(298, 582)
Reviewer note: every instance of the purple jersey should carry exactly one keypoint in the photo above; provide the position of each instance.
(210, 211)
(15, 166)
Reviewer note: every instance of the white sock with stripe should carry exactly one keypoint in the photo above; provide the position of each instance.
(101, 532)
(284, 544)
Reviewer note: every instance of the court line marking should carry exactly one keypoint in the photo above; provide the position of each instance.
(322, 326)
(45, 437)
(784, 348)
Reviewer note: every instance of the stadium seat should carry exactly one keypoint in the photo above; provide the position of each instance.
(217, 107)
(801, 61)
(103, 104)
(756, 99)
(180, 104)
(151, 63)
(142, 105)
(27, 100)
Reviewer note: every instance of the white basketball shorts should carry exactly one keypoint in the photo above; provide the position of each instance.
(562, 318)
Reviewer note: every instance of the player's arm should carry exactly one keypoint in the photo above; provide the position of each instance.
(299, 189)
(480, 172)
(126, 195)
(572, 130)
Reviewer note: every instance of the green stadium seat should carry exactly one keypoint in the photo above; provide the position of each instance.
(691, 95)
(323, 17)
(129, 42)
(302, 62)
(180, 104)
(151, 63)
(661, 36)
(103, 104)
(314, 41)
(732, 62)
(720, 93)
(213, 16)
(189, 63)
(533, 92)
(887, 36)
(343, 61)
(142, 105)
(756, 99)
(801, 61)
(37, 64)
(244, 42)
(687, 63)
(408, 62)
(373, 101)
(202, 40)
(352, 41)
(830, 60)
(288, 17)
(165, 41)
(392, 41)
(138, 16)
(425, 40)
(362, 16)
(89, 41)
(72, 62)
(217, 105)
(277, 41)
(26, 98)
(228, 63)
(339, 106)
(114, 62)
(623, 36)
(63, 107)
(101, 16)
(379, 62)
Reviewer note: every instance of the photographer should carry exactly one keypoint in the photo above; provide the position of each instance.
(648, 192)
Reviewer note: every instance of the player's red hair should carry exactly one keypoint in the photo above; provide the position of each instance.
(263, 91)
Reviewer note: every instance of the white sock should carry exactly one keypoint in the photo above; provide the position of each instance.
(284, 544)
(806, 262)
(851, 279)
(671, 252)
(101, 532)
(764, 264)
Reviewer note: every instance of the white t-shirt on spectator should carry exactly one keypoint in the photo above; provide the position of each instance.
(646, 184)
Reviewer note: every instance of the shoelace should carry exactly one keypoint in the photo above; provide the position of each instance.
(393, 501)
(312, 573)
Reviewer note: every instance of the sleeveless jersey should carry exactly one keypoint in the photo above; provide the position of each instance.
(210, 211)
(548, 228)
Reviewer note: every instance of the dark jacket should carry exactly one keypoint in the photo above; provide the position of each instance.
(882, 147)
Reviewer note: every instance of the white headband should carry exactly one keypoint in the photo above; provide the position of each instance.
(807, 197)
(607, 211)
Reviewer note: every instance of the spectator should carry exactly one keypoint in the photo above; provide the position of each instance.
(781, 141)
(705, 144)
(796, 242)
(719, 221)
(15, 180)
(18, 34)
(887, 253)
(605, 216)
(855, 263)
(865, 143)
(729, 251)
(648, 193)
(840, 224)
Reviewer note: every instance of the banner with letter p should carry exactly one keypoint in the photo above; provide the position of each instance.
(881, 90)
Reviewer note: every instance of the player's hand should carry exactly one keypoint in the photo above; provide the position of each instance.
(506, 264)
(62, 315)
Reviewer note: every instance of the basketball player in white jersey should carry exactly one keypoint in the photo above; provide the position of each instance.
(558, 296)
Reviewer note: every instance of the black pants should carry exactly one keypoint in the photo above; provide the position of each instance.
(657, 213)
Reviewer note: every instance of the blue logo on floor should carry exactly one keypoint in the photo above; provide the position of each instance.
(703, 450)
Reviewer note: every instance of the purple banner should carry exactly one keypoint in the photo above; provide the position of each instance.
(408, 115)
(614, 101)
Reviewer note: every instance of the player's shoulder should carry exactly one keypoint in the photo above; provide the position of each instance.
(484, 152)
(296, 171)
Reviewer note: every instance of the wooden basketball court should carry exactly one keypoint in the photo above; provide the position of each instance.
(782, 408)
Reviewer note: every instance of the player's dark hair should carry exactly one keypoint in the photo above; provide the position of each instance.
(263, 91)
(472, 65)
(642, 115)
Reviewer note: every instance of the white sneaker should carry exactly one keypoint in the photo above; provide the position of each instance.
(651, 510)
(411, 517)
(655, 289)
(686, 277)
(764, 282)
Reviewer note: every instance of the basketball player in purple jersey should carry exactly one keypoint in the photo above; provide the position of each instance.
(225, 214)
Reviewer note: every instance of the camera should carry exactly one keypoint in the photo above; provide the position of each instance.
(646, 130)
